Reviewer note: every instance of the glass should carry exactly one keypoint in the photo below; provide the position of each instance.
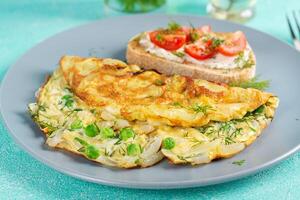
(135, 6)
(234, 10)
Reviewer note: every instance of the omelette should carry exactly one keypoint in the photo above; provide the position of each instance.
(124, 116)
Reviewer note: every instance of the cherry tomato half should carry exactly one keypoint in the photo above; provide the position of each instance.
(200, 50)
(234, 44)
(170, 41)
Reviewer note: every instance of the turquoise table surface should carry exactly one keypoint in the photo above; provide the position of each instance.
(24, 23)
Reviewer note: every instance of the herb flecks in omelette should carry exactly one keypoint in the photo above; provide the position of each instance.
(144, 126)
(198, 108)
(89, 150)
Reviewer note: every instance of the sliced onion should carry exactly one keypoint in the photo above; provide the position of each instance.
(231, 149)
(121, 123)
(107, 116)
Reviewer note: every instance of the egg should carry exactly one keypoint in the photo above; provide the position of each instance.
(120, 115)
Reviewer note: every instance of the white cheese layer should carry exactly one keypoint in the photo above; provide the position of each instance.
(219, 61)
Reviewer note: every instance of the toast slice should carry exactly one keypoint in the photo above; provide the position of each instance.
(136, 54)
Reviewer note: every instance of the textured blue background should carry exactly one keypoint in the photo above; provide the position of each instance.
(24, 23)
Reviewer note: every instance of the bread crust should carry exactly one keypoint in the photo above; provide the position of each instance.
(136, 54)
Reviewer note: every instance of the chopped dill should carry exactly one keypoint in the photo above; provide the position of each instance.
(158, 82)
(229, 140)
(173, 26)
(239, 162)
(216, 42)
(178, 54)
(200, 108)
(177, 104)
(253, 83)
(194, 36)
(159, 37)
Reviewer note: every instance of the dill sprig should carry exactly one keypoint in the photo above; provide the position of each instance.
(253, 83)
(173, 26)
(239, 162)
(200, 108)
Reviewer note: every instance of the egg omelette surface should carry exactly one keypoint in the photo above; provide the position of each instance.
(121, 115)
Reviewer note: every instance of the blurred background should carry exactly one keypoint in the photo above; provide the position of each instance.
(23, 23)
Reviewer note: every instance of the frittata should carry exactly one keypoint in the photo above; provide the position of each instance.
(121, 115)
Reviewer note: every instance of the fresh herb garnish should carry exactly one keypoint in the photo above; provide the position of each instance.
(158, 82)
(159, 37)
(249, 63)
(242, 62)
(236, 132)
(41, 108)
(239, 162)
(173, 26)
(239, 58)
(200, 108)
(253, 83)
(194, 36)
(178, 54)
(89, 150)
(216, 42)
(81, 141)
(229, 140)
(47, 127)
(226, 127)
(177, 104)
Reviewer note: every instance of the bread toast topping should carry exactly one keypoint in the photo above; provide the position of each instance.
(219, 61)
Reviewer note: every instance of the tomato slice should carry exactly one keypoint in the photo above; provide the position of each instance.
(200, 50)
(200, 31)
(234, 44)
(205, 29)
(170, 41)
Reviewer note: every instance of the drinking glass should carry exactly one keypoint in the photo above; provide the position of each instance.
(234, 10)
(135, 6)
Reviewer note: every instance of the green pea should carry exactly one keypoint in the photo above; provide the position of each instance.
(168, 143)
(107, 132)
(68, 100)
(67, 97)
(92, 152)
(91, 130)
(126, 133)
(133, 149)
(69, 103)
(77, 124)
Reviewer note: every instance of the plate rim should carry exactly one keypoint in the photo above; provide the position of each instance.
(133, 184)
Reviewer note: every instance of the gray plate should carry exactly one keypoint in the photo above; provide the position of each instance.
(107, 38)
